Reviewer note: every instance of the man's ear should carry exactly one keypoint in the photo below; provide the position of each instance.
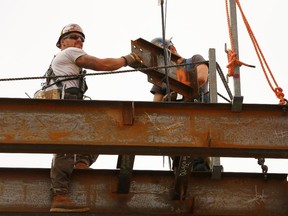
(62, 43)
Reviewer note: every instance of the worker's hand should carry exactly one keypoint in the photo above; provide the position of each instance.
(132, 58)
(172, 95)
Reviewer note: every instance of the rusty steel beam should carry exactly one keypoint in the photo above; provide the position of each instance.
(143, 128)
(153, 65)
(151, 192)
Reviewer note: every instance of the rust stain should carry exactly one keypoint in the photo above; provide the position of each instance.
(59, 135)
(7, 137)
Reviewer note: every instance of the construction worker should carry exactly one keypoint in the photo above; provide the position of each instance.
(160, 93)
(70, 61)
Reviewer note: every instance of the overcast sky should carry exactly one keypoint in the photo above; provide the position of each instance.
(30, 29)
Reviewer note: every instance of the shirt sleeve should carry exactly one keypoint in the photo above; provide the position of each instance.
(197, 58)
(73, 53)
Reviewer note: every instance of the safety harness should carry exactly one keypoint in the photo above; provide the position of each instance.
(70, 93)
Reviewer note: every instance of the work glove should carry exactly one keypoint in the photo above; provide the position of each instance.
(132, 58)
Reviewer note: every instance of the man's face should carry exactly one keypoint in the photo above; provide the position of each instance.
(173, 49)
(72, 40)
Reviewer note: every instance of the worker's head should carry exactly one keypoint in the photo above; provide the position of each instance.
(71, 36)
(159, 42)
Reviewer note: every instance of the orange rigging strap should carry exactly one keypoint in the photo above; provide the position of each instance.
(232, 60)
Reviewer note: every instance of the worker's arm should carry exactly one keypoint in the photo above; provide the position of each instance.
(158, 97)
(98, 64)
(105, 64)
(202, 74)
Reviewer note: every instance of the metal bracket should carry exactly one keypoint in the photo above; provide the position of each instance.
(128, 113)
(182, 177)
(125, 163)
(153, 65)
(217, 172)
(237, 103)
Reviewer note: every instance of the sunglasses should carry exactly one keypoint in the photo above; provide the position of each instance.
(75, 37)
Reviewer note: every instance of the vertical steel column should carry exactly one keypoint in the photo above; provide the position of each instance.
(165, 48)
(212, 76)
(216, 164)
(238, 99)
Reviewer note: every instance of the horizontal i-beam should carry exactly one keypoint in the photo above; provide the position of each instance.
(143, 128)
(151, 193)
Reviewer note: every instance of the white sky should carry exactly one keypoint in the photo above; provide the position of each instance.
(30, 29)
